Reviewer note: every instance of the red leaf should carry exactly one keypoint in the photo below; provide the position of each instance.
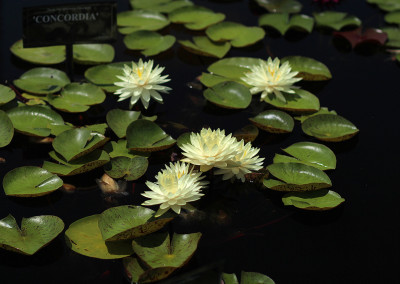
(358, 36)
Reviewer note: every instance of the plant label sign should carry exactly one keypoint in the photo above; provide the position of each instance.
(69, 24)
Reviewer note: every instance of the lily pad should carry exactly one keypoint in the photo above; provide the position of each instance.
(393, 36)
(94, 53)
(297, 177)
(195, 17)
(42, 81)
(58, 129)
(144, 135)
(280, 6)
(119, 120)
(77, 97)
(84, 237)
(386, 5)
(6, 94)
(329, 127)
(230, 95)
(136, 20)
(247, 133)
(150, 43)
(184, 138)
(39, 55)
(239, 35)
(94, 159)
(322, 110)
(35, 233)
(162, 6)
(203, 46)
(6, 129)
(34, 120)
(29, 181)
(282, 22)
(335, 20)
(129, 222)
(274, 121)
(318, 200)
(127, 168)
(105, 75)
(309, 69)
(255, 278)
(119, 149)
(301, 101)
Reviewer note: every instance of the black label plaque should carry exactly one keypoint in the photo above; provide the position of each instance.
(69, 24)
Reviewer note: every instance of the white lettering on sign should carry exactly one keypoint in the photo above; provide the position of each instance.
(76, 17)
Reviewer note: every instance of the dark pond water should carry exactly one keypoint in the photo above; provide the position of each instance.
(355, 243)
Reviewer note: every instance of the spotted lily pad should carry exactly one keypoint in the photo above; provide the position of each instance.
(105, 75)
(162, 6)
(144, 135)
(127, 168)
(6, 129)
(29, 181)
(282, 22)
(84, 237)
(42, 81)
(34, 120)
(35, 233)
(39, 55)
(280, 6)
(94, 53)
(77, 97)
(230, 95)
(129, 222)
(203, 46)
(296, 177)
(318, 200)
(150, 43)
(239, 35)
(309, 69)
(301, 101)
(119, 120)
(274, 121)
(335, 20)
(6, 94)
(329, 127)
(131, 21)
(195, 17)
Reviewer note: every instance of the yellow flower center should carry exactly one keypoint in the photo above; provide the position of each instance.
(139, 71)
(169, 182)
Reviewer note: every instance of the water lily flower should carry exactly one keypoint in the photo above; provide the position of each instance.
(175, 187)
(244, 162)
(142, 82)
(209, 148)
(268, 77)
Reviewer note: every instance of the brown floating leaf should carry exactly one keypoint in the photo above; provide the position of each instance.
(358, 36)
(109, 186)
(2, 160)
(68, 188)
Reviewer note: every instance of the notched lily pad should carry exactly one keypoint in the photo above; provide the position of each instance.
(148, 42)
(280, 6)
(119, 120)
(127, 168)
(94, 53)
(230, 95)
(301, 101)
(29, 181)
(6, 129)
(282, 22)
(273, 121)
(335, 20)
(248, 133)
(254, 277)
(105, 75)
(6, 94)
(119, 149)
(129, 222)
(203, 46)
(35, 233)
(319, 200)
(131, 21)
(309, 69)
(39, 55)
(322, 110)
(195, 17)
(162, 6)
(386, 5)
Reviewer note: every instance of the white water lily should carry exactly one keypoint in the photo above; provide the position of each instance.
(210, 148)
(175, 187)
(244, 162)
(268, 77)
(142, 82)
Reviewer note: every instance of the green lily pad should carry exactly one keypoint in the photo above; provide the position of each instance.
(77, 142)
(230, 278)
(393, 17)
(6, 129)
(335, 20)
(301, 101)
(84, 237)
(162, 6)
(42, 81)
(386, 5)
(144, 135)
(119, 120)
(127, 168)
(129, 222)
(309, 69)
(29, 181)
(273, 121)
(58, 129)
(318, 200)
(282, 22)
(393, 37)
(150, 43)
(94, 53)
(105, 75)
(133, 269)
(247, 133)
(35, 233)
(329, 127)
(136, 20)
(195, 17)
(77, 97)
(280, 6)
(230, 95)
(255, 278)
(322, 110)
(34, 120)
(94, 159)
(39, 55)
(239, 35)
(119, 149)
(184, 138)
(34, 99)
(203, 46)
(6, 94)
(297, 177)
